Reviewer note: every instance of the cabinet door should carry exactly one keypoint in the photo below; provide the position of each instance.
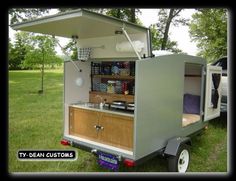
(117, 130)
(82, 123)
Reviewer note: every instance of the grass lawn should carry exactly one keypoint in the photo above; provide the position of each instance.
(36, 122)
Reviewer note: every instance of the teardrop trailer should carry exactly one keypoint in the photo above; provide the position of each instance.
(173, 96)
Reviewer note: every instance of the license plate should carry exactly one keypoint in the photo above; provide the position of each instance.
(108, 161)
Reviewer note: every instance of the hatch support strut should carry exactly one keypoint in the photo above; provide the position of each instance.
(79, 70)
(127, 36)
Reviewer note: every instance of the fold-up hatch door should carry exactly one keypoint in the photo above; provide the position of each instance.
(212, 92)
(83, 23)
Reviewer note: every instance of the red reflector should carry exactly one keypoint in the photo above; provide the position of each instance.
(65, 142)
(129, 163)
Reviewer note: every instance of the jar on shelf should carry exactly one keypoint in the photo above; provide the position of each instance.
(118, 87)
(111, 86)
(103, 87)
(115, 69)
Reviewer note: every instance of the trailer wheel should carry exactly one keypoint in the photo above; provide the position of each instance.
(180, 162)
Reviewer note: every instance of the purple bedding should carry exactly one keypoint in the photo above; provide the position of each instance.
(191, 104)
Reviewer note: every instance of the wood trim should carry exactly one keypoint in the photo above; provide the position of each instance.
(109, 97)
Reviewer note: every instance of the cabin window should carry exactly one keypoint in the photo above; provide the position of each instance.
(214, 90)
(192, 94)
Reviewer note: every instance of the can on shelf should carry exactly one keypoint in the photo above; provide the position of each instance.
(111, 86)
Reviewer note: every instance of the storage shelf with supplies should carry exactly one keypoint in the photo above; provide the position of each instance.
(116, 77)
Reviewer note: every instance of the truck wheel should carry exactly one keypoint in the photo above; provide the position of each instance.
(180, 162)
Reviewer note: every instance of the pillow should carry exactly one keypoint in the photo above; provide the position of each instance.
(191, 104)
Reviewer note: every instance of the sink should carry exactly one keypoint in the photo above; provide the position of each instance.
(91, 105)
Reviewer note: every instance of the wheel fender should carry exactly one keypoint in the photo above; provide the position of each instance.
(174, 143)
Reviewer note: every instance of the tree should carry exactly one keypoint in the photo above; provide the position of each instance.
(209, 29)
(42, 54)
(23, 14)
(71, 47)
(18, 50)
(166, 17)
(11, 56)
(157, 38)
(127, 14)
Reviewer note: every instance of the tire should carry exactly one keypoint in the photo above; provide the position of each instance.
(180, 162)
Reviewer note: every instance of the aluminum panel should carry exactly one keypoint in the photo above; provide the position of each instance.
(72, 92)
(159, 88)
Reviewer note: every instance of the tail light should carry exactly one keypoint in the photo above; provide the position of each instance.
(129, 163)
(65, 142)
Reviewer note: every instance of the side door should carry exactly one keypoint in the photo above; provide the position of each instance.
(212, 92)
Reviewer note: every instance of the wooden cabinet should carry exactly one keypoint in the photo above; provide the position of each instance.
(117, 130)
(106, 128)
(82, 123)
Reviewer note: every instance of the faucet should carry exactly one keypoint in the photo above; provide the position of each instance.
(101, 103)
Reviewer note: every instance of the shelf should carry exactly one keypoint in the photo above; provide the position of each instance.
(111, 94)
(114, 77)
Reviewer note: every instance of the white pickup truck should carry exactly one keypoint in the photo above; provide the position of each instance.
(223, 63)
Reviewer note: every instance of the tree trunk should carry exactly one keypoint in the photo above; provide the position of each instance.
(168, 22)
(132, 15)
(118, 15)
(42, 72)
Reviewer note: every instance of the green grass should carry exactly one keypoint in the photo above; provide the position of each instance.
(36, 122)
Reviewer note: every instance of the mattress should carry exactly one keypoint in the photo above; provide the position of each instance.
(190, 119)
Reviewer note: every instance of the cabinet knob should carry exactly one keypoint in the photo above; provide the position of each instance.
(98, 127)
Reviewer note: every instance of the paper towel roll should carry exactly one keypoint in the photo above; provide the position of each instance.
(126, 47)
